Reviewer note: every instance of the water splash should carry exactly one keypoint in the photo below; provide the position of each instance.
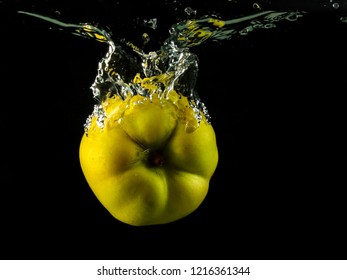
(126, 70)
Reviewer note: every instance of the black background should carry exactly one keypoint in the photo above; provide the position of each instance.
(276, 98)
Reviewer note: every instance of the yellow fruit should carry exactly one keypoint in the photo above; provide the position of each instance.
(151, 163)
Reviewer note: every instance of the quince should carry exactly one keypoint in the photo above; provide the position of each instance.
(152, 161)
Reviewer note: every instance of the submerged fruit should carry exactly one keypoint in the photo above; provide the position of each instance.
(152, 161)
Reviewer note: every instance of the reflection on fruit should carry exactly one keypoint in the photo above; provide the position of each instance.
(152, 161)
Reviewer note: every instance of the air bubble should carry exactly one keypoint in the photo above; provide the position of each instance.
(336, 5)
(151, 23)
(189, 11)
(173, 68)
(145, 38)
